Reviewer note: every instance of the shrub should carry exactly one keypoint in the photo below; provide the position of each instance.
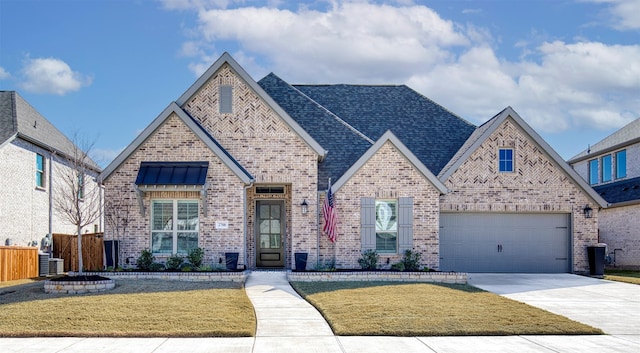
(327, 266)
(411, 261)
(195, 257)
(174, 261)
(156, 267)
(369, 260)
(205, 268)
(399, 266)
(145, 260)
(186, 267)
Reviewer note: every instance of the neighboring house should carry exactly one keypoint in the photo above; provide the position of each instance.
(34, 168)
(233, 165)
(612, 167)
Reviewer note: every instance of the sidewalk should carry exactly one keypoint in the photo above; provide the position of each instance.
(287, 323)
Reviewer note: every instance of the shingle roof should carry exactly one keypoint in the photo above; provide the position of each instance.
(630, 133)
(620, 191)
(346, 119)
(19, 118)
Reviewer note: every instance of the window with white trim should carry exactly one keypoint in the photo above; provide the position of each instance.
(606, 168)
(621, 164)
(40, 173)
(174, 237)
(387, 226)
(593, 171)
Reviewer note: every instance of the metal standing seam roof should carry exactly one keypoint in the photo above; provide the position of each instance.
(172, 173)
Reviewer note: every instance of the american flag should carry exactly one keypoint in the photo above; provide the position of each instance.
(330, 216)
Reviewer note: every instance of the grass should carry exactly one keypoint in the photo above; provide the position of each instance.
(421, 309)
(143, 308)
(627, 276)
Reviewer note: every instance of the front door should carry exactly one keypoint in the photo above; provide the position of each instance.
(270, 230)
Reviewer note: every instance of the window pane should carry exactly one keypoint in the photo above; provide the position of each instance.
(39, 170)
(606, 168)
(505, 160)
(187, 215)
(386, 216)
(593, 171)
(187, 241)
(386, 226)
(386, 242)
(162, 242)
(162, 214)
(621, 164)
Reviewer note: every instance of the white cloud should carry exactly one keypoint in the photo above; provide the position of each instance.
(623, 14)
(555, 86)
(349, 39)
(51, 75)
(104, 156)
(4, 74)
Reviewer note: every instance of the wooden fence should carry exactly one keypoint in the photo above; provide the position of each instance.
(18, 262)
(65, 246)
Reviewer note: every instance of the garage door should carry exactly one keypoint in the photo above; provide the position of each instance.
(505, 242)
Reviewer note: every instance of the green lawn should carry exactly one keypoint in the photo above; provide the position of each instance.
(420, 309)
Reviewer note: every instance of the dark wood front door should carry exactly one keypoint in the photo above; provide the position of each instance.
(270, 230)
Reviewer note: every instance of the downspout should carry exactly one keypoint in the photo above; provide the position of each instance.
(244, 221)
(318, 229)
(51, 203)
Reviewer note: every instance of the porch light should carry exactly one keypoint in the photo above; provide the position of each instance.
(305, 206)
(588, 211)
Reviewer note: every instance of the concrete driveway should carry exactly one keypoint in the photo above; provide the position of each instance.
(613, 307)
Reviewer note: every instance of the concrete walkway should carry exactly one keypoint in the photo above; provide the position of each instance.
(286, 323)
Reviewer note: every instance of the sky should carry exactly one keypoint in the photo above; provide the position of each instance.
(105, 69)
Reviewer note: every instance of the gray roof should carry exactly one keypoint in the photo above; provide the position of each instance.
(18, 119)
(620, 193)
(347, 120)
(627, 135)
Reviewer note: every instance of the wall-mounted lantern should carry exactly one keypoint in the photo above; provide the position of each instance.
(305, 206)
(588, 211)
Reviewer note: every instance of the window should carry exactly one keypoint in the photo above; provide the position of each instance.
(81, 186)
(593, 171)
(169, 237)
(606, 168)
(226, 99)
(621, 164)
(386, 226)
(40, 171)
(506, 160)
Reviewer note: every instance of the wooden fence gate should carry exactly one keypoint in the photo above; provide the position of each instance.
(65, 246)
(18, 262)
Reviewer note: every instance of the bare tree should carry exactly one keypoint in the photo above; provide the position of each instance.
(118, 208)
(77, 196)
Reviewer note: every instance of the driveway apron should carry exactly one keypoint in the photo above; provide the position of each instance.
(613, 307)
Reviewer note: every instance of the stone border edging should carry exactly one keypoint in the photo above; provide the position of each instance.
(78, 287)
(427, 277)
(175, 276)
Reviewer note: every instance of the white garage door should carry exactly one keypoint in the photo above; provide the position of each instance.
(505, 242)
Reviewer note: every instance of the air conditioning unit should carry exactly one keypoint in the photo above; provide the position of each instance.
(43, 265)
(56, 266)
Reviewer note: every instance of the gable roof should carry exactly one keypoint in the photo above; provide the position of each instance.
(620, 193)
(627, 135)
(227, 59)
(389, 137)
(196, 128)
(347, 119)
(483, 132)
(18, 119)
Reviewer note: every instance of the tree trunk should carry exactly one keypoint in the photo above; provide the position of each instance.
(79, 250)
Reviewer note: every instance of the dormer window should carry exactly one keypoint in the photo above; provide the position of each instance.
(505, 160)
